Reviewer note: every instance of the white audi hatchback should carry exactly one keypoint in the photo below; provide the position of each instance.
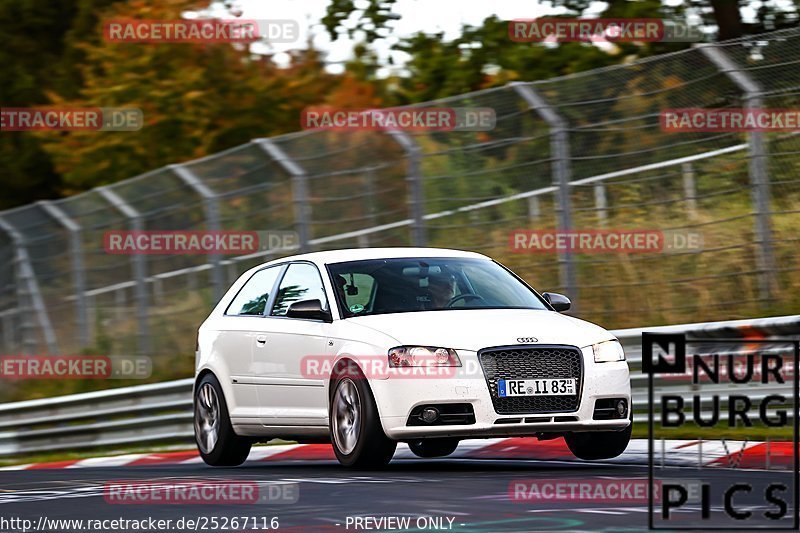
(367, 348)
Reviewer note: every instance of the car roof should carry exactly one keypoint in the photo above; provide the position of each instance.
(357, 254)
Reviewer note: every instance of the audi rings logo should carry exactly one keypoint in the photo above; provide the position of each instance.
(527, 340)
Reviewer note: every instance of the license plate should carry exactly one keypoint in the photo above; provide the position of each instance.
(536, 387)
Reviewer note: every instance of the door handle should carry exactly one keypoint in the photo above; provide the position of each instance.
(261, 340)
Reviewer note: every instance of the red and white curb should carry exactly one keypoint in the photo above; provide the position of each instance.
(708, 453)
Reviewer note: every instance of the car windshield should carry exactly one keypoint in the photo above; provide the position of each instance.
(405, 285)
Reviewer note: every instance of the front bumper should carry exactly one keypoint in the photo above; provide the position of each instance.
(397, 397)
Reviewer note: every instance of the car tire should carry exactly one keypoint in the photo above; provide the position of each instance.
(356, 432)
(439, 447)
(595, 445)
(218, 444)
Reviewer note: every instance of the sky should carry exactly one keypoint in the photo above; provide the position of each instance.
(429, 16)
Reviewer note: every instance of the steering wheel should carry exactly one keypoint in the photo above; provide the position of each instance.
(465, 296)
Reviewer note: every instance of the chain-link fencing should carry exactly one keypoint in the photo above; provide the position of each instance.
(584, 152)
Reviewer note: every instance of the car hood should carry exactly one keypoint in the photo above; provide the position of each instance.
(475, 329)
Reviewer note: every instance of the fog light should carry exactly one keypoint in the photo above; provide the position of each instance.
(429, 415)
(621, 408)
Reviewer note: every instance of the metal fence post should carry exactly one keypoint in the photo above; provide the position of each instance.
(369, 188)
(419, 235)
(601, 202)
(767, 455)
(689, 189)
(28, 287)
(158, 291)
(8, 331)
(534, 209)
(700, 453)
(119, 303)
(231, 270)
(211, 205)
(302, 206)
(759, 175)
(78, 272)
(562, 172)
(139, 267)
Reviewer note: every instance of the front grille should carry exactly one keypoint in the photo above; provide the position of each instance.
(523, 362)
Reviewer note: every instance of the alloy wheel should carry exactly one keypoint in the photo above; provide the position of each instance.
(206, 418)
(346, 416)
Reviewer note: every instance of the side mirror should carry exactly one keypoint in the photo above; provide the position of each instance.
(558, 301)
(310, 310)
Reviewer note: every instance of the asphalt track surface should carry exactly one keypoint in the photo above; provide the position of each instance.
(474, 493)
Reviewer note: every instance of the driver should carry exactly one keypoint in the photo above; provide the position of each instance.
(441, 289)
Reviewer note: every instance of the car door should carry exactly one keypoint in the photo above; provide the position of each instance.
(288, 395)
(242, 328)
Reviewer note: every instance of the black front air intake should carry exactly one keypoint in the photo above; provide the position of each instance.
(449, 414)
(610, 409)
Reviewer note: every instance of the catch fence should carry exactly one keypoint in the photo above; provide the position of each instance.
(584, 151)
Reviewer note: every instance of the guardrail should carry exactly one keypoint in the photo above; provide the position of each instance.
(162, 412)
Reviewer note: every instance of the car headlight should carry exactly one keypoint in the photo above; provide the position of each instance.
(422, 356)
(608, 351)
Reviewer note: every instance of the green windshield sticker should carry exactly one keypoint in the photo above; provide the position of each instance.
(356, 308)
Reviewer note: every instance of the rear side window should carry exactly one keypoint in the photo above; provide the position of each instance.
(252, 298)
(301, 282)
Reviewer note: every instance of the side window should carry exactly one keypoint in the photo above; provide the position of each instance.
(301, 282)
(252, 298)
(355, 290)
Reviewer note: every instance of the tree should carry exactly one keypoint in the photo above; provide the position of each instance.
(39, 57)
(482, 57)
(372, 20)
(726, 15)
(196, 99)
(287, 296)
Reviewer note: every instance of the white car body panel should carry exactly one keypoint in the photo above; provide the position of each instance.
(268, 396)
(467, 329)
